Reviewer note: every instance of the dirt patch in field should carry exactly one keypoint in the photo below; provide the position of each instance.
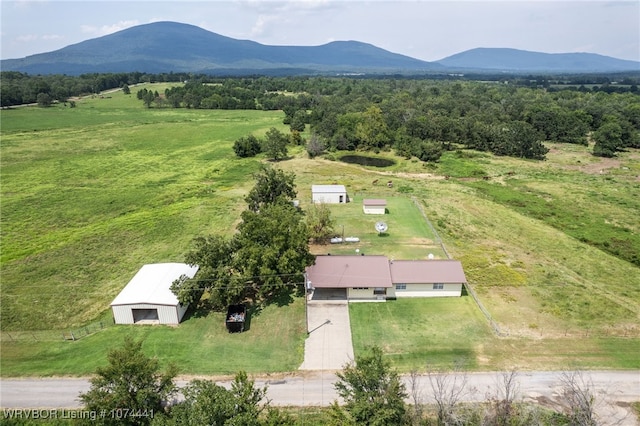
(600, 167)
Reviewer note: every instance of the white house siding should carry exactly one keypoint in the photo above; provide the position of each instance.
(167, 314)
(373, 209)
(353, 293)
(425, 290)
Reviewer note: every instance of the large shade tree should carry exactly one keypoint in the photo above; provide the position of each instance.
(266, 256)
(272, 184)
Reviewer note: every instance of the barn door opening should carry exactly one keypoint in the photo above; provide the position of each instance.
(140, 315)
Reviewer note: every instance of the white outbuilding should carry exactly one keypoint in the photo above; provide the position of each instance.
(148, 299)
(374, 206)
(334, 194)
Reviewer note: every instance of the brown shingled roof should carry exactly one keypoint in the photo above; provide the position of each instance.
(374, 202)
(427, 271)
(349, 272)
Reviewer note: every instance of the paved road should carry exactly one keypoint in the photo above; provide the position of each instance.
(614, 391)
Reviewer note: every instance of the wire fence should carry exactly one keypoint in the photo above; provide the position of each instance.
(470, 291)
(53, 335)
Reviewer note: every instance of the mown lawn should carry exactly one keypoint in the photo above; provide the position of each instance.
(408, 236)
(418, 333)
(432, 333)
(200, 345)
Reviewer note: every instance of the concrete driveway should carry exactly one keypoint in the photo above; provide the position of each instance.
(329, 345)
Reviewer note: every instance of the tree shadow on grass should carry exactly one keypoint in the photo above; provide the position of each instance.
(202, 310)
(281, 298)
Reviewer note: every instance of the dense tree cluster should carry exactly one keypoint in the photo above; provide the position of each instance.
(423, 118)
(273, 145)
(417, 117)
(265, 257)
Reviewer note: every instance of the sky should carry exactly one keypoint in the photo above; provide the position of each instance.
(429, 30)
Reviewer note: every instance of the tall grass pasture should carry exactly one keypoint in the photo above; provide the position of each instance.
(91, 193)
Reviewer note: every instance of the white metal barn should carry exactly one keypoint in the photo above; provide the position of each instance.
(374, 206)
(334, 194)
(148, 299)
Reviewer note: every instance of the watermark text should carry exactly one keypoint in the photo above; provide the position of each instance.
(64, 414)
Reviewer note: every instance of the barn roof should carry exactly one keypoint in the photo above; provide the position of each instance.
(349, 271)
(328, 189)
(152, 283)
(427, 271)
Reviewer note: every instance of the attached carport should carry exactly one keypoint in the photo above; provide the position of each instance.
(326, 294)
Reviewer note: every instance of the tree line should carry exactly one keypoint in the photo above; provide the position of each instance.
(417, 117)
(423, 118)
(18, 88)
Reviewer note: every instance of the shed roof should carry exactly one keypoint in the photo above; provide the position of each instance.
(349, 271)
(152, 283)
(427, 271)
(328, 189)
(374, 202)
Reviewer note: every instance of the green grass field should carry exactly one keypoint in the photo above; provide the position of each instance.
(199, 345)
(408, 236)
(84, 206)
(89, 194)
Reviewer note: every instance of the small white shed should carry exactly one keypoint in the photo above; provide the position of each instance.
(335, 194)
(374, 206)
(147, 298)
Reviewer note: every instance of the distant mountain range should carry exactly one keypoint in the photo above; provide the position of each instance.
(174, 47)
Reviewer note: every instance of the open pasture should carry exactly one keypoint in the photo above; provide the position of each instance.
(91, 193)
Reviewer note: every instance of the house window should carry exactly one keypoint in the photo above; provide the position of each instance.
(379, 291)
(361, 288)
(438, 286)
(401, 286)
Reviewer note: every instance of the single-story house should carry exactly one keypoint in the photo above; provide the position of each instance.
(374, 206)
(147, 298)
(427, 278)
(377, 278)
(335, 194)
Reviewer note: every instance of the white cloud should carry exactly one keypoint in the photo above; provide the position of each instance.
(27, 38)
(52, 37)
(108, 29)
